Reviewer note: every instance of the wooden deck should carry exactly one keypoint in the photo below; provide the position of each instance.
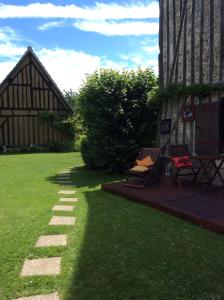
(202, 208)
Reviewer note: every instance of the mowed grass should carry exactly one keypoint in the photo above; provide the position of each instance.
(117, 249)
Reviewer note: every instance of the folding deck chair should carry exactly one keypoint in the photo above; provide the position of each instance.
(144, 167)
(183, 165)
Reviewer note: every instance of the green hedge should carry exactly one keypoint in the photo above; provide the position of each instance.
(118, 116)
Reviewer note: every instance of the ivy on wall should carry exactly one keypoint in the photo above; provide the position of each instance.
(175, 92)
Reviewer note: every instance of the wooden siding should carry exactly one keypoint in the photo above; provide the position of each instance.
(191, 41)
(25, 93)
(191, 51)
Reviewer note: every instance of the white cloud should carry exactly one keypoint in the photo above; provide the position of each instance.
(6, 67)
(99, 11)
(151, 49)
(8, 48)
(68, 68)
(50, 25)
(7, 34)
(111, 28)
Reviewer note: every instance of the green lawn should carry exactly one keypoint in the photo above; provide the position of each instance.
(117, 250)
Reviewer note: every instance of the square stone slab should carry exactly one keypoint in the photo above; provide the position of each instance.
(69, 199)
(52, 240)
(66, 192)
(41, 266)
(58, 220)
(65, 172)
(65, 181)
(52, 296)
(63, 208)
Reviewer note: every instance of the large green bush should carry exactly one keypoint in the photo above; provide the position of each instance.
(118, 116)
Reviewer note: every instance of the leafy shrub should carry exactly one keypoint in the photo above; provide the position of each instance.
(78, 142)
(118, 116)
(62, 124)
(34, 148)
(55, 146)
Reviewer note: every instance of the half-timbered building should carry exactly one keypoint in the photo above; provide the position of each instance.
(192, 52)
(26, 92)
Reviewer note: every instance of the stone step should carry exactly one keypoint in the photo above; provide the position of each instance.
(52, 296)
(58, 220)
(69, 200)
(41, 266)
(66, 192)
(52, 240)
(63, 208)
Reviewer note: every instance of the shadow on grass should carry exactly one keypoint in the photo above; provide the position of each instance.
(130, 252)
(133, 252)
(84, 177)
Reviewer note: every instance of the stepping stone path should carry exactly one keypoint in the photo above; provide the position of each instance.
(69, 200)
(52, 240)
(52, 296)
(57, 220)
(63, 208)
(66, 192)
(52, 265)
(41, 266)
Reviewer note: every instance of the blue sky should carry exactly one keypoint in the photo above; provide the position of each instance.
(74, 38)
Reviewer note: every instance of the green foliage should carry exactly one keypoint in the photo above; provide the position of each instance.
(56, 146)
(63, 124)
(78, 143)
(174, 92)
(78, 126)
(119, 117)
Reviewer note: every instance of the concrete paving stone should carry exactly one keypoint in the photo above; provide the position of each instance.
(41, 266)
(52, 296)
(69, 200)
(64, 185)
(59, 220)
(52, 240)
(65, 182)
(66, 192)
(63, 208)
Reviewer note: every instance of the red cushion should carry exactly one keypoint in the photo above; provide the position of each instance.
(182, 161)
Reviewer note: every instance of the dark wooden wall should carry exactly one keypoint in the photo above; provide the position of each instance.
(25, 93)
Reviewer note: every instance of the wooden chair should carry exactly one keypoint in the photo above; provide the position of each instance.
(183, 164)
(143, 172)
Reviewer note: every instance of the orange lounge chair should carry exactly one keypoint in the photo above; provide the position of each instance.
(144, 167)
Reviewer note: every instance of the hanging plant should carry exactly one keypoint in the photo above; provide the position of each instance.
(175, 92)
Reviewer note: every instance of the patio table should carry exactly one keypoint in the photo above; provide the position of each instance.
(210, 167)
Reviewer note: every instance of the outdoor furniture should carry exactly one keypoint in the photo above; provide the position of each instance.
(210, 168)
(143, 168)
(183, 164)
